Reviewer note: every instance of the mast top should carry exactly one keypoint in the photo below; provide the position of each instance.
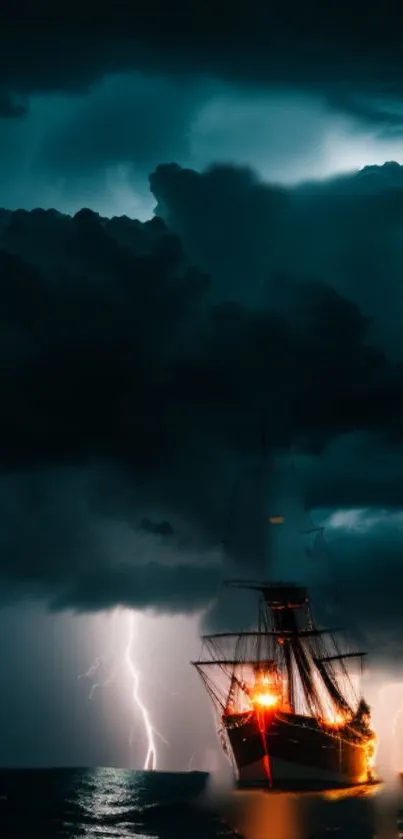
(276, 595)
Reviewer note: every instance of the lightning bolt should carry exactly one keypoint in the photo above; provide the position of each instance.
(151, 756)
(150, 762)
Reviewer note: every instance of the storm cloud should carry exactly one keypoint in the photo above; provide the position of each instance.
(349, 53)
(137, 369)
(264, 241)
(89, 105)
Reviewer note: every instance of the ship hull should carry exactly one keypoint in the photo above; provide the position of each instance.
(286, 751)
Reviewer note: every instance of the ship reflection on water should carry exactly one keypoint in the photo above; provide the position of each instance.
(360, 813)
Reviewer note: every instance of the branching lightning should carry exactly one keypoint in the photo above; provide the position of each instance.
(126, 661)
(102, 660)
(94, 669)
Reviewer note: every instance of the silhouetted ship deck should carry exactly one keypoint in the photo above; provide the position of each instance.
(289, 712)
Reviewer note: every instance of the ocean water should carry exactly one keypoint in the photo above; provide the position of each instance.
(84, 803)
(71, 803)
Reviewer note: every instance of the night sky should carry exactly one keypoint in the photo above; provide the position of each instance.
(202, 226)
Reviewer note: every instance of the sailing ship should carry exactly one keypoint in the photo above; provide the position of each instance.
(289, 709)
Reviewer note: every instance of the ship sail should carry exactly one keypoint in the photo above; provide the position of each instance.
(287, 637)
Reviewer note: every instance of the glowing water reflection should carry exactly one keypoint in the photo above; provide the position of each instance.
(360, 813)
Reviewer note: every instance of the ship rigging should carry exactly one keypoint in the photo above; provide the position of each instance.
(288, 703)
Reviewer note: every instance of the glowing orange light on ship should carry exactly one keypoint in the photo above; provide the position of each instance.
(336, 721)
(265, 695)
(265, 700)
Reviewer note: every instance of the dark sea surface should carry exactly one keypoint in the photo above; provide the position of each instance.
(35, 804)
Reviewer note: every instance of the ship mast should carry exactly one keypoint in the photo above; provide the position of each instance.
(287, 642)
(291, 623)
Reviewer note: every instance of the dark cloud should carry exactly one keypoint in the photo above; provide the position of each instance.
(365, 550)
(345, 51)
(9, 108)
(261, 242)
(163, 528)
(135, 120)
(133, 383)
(97, 148)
